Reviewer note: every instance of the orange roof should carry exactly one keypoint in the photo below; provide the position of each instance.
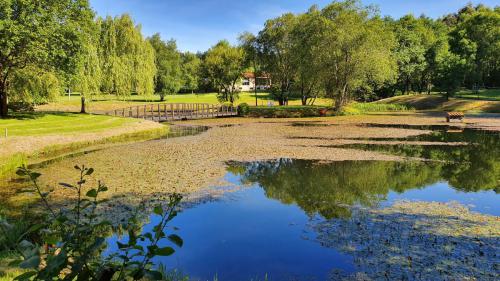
(251, 75)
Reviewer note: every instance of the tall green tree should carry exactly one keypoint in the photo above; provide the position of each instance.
(190, 71)
(41, 33)
(88, 76)
(224, 65)
(277, 55)
(253, 54)
(307, 42)
(128, 60)
(451, 74)
(357, 49)
(168, 78)
(476, 38)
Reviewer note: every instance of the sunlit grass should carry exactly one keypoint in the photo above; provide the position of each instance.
(37, 124)
(490, 94)
(104, 103)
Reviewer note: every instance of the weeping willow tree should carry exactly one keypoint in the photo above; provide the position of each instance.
(87, 80)
(127, 59)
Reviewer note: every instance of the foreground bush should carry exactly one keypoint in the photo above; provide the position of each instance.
(73, 240)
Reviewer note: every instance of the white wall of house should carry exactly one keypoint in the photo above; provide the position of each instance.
(248, 84)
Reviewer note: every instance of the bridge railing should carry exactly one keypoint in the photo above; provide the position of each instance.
(174, 111)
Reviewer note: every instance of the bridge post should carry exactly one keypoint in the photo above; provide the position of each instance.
(144, 116)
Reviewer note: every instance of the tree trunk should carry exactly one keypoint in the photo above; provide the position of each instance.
(83, 105)
(3, 102)
(255, 87)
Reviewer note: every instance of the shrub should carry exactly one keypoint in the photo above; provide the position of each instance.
(76, 238)
(21, 106)
(243, 109)
(362, 108)
(286, 111)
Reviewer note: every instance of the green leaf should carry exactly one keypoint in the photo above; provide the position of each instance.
(51, 239)
(35, 175)
(89, 171)
(121, 245)
(158, 210)
(26, 275)
(32, 262)
(92, 193)
(77, 167)
(166, 251)
(153, 275)
(21, 172)
(176, 239)
(66, 185)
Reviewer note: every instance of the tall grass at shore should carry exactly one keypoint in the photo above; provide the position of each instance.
(9, 164)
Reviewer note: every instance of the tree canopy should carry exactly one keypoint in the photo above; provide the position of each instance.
(168, 78)
(223, 65)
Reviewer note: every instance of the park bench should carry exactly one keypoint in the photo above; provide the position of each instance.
(454, 115)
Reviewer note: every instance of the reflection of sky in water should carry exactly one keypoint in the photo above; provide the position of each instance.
(247, 235)
(275, 227)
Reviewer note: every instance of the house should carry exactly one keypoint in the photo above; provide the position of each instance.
(248, 82)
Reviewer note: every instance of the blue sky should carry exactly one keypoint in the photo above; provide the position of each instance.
(198, 24)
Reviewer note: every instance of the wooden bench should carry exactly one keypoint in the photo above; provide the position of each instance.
(454, 115)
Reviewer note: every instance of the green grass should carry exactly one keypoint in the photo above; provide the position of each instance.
(492, 95)
(435, 102)
(109, 102)
(37, 124)
(357, 108)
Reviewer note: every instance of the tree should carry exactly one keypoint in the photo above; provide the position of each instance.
(40, 33)
(356, 49)
(306, 43)
(190, 68)
(250, 44)
(88, 76)
(168, 79)
(128, 61)
(451, 74)
(476, 38)
(276, 44)
(224, 65)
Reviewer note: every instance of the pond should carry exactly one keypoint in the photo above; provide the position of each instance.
(290, 219)
(309, 220)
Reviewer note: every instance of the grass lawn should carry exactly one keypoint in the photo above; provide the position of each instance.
(493, 95)
(439, 103)
(108, 102)
(40, 123)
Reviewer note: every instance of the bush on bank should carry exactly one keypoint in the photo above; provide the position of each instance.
(288, 111)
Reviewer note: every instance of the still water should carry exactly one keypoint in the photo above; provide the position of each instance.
(303, 220)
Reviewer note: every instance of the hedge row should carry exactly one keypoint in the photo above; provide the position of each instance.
(285, 111)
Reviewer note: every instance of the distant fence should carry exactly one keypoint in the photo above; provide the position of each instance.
(175, 111)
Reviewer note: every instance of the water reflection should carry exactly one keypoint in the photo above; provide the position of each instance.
(330, 189)
(471, 167)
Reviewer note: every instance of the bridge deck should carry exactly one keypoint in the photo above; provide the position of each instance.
(175, 111)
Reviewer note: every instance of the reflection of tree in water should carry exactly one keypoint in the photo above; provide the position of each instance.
(331, 188)
(415, 241)
(470, 167)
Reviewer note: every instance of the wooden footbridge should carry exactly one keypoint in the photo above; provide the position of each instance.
(175, 111)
